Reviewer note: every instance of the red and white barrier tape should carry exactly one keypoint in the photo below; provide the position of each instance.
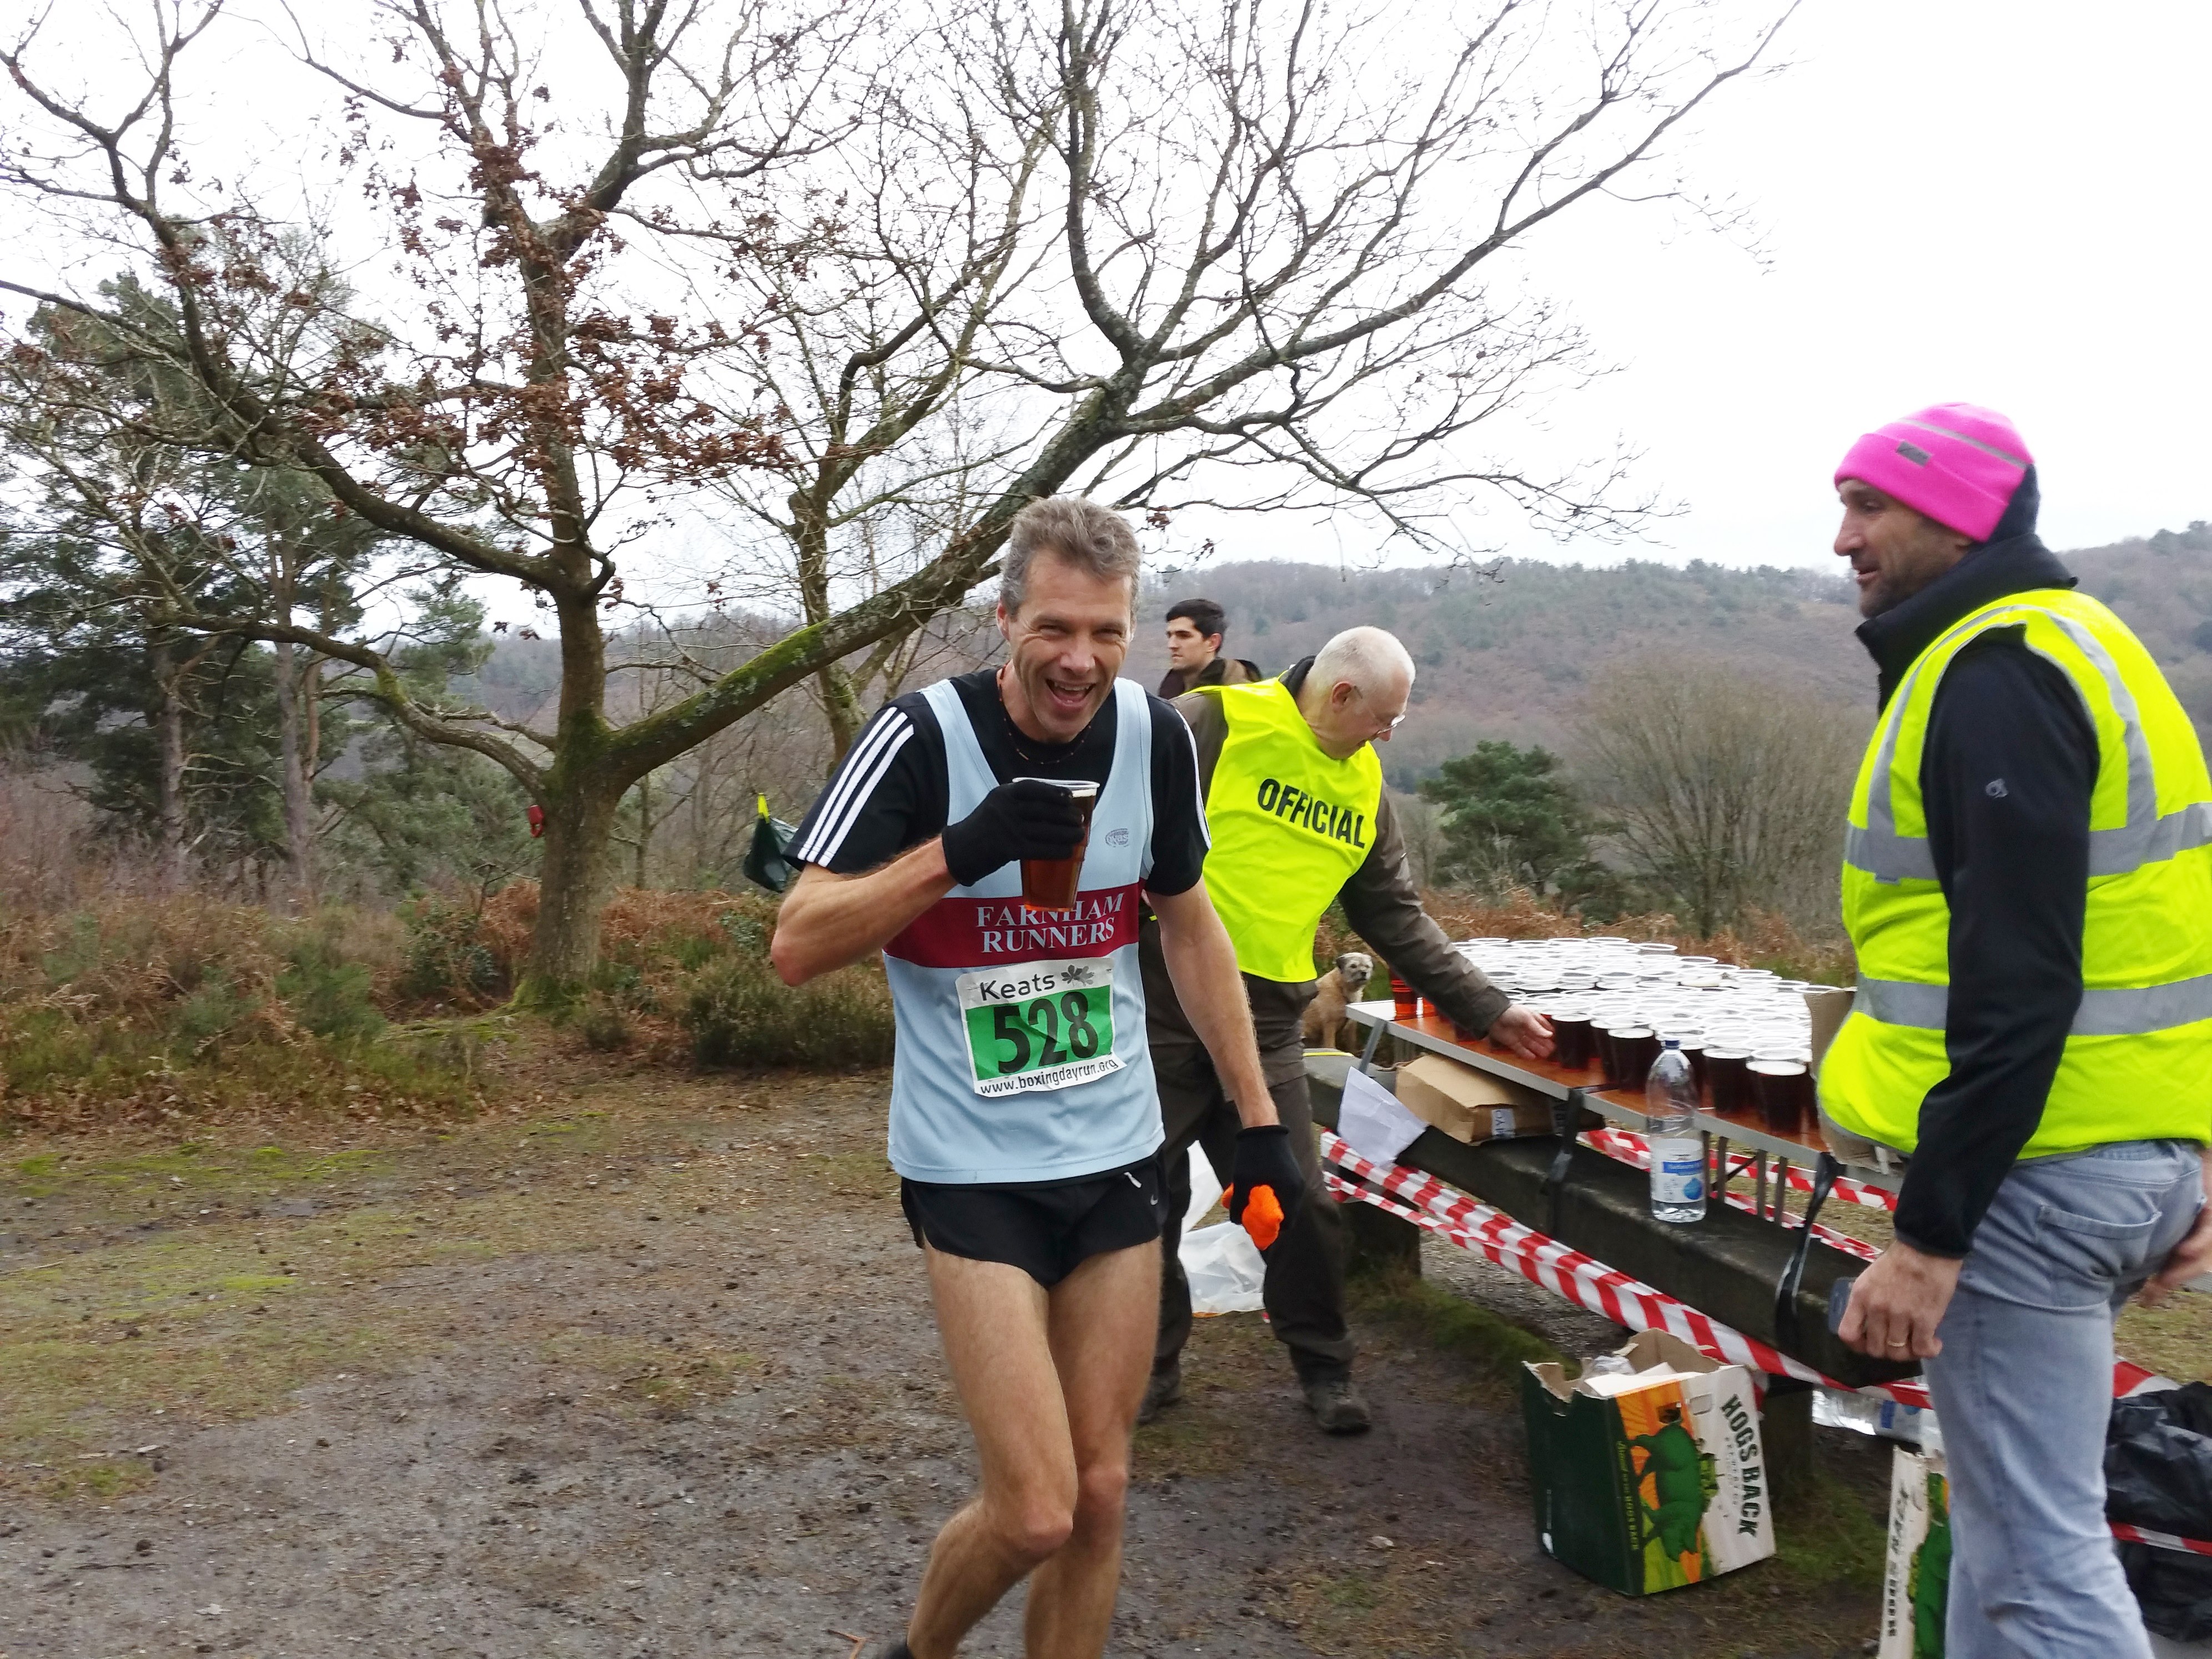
(2165, 1540)
(1582, 1279)
(1416, 1196)
(1630, 1148)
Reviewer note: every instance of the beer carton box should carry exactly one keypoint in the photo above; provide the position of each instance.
(1651, 1480)
(1469, 1105)
(1915, 1580)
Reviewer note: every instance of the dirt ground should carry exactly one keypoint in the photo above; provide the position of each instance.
(645, 1370)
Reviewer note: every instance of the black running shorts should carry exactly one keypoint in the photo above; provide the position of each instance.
(1048, 1232)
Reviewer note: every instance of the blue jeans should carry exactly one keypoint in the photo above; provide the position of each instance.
(2023, 1390)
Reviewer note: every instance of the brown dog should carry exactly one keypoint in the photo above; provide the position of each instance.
(1347, 982)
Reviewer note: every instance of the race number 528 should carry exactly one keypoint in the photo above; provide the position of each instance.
(1042, 1025)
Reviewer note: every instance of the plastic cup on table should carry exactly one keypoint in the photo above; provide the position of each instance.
(1726, 1080)
(1635, 1047)
(1783, 1091)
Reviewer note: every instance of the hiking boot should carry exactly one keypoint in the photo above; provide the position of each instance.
(1162, 1390)
(1337, 1406)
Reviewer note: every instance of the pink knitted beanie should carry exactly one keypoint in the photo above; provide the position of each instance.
(1956, 463)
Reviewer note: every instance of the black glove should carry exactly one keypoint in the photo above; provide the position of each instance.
(1028, 818)
(1263, 1161)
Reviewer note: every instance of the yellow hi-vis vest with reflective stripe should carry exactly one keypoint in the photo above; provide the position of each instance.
(2137, 1064)
(1288, 825)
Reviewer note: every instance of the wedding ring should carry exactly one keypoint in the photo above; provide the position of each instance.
(1896, 1345)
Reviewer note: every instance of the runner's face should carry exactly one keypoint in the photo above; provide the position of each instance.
(1188, 647)
(1067, 641)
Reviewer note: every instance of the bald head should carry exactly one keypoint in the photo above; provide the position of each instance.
(1356, 691)
(1368, 657)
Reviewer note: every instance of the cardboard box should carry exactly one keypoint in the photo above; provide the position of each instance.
(1916, 1579)
(1650, 1482)
(1469, 1105)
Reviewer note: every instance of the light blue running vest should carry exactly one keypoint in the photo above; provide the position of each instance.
(1021, 1054)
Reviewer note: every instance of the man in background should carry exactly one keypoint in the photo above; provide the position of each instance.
(1195, 630)
(1294, 797)
(2027, 883)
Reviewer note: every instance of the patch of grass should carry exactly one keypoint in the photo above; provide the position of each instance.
(97, 1482)
(1828, 1537)
(189, 1167)
(258, 1283)
(852, 1174)
(2175, 1340)
(656, 1379)
(1189, 1441)
(87, 1350)
(1352, 1589)
(1496, 1347)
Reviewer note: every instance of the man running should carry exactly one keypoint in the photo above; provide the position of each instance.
(1024, 1120)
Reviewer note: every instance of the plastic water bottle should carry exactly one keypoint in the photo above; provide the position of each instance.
(1677, 1149)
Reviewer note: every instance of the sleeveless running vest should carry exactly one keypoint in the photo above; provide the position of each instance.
(1289, 827)
(1021, 1054)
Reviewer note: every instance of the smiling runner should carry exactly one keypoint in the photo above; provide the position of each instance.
(1024, 1122)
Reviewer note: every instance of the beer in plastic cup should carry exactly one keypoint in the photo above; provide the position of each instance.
(1728, 1078)
(1574, 1040)
(1052, 883)
(1783, 1091)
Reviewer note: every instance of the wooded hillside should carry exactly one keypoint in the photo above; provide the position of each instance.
(1508, 656)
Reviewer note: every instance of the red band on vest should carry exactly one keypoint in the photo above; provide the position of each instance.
(988, 932)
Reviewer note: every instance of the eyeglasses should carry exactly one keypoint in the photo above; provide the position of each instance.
(1384, 727)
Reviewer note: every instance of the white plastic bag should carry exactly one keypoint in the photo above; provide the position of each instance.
(1221, 1262)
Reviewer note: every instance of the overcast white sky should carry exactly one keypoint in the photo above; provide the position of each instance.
(1999, 201)
(2002, 202)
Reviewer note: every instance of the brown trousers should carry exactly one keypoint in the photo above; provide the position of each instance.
(1304, 1290)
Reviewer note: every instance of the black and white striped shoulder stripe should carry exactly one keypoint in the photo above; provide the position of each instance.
(856, 780)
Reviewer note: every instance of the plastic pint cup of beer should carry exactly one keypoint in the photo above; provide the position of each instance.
(1051, 883)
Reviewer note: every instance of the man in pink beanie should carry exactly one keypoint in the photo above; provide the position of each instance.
(2055, 1135)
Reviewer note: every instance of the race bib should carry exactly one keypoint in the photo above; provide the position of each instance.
(1040, 1025)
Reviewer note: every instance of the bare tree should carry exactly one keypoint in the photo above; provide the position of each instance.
(1725, 788)
(839, 270)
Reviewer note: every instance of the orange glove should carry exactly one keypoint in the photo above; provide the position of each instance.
(1265, 1183)
(1263, 1216)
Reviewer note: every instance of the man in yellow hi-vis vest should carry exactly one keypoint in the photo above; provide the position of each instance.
(1298, 816)
(2027, 882)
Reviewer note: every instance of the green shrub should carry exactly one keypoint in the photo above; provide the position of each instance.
(695, 950)
(739, 1013)
(153, 1009)
(330, 997)
(603, 1025)
(448, 958)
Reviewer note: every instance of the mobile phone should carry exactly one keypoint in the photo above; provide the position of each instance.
(1839, 1298)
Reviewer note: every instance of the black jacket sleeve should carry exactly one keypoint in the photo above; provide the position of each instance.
(2006, 775)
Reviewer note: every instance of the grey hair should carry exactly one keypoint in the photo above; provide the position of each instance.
(1095, 540)
(1364, 657)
